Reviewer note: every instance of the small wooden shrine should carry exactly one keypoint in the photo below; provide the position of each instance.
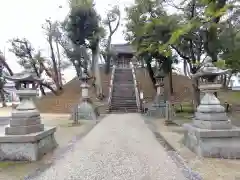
(123, 54)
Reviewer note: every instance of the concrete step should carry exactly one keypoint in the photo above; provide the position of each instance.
(123, 96)
(122, 92)
(124, 111)
(123, 80)
(123, 108)
(124, 99)
(123, 104)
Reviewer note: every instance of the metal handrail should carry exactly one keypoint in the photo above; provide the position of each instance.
(136, 87)
(111, 86)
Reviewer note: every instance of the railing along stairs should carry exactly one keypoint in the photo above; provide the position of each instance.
(111, 87)
(136, 87)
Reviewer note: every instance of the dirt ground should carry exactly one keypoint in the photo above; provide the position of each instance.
(65, 135)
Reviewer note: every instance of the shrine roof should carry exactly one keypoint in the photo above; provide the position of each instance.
(123, 48)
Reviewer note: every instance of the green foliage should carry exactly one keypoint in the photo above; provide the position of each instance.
(82, 23)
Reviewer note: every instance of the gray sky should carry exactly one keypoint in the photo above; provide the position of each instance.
(24, 18)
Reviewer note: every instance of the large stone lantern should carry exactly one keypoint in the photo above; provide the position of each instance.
(157, 109)
(26, 138)
(211, 133)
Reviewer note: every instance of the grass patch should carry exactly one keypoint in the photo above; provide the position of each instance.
(6, 164)
(232, 97)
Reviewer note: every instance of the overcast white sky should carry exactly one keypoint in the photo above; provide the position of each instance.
(24, 18)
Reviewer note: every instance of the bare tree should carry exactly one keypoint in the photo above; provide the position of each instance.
(23, 49)
(112, 23)
(51, 32)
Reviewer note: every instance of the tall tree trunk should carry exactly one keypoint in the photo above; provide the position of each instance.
(59, 65)
(42, 90)
(151, 74)
(48, 87)
(142, 63)
(170, 82)
(96, 71)
(2, 94)
(5, 64)
(55, 67)
(196, 93)
(108, 55)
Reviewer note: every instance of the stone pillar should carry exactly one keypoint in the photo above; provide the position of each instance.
(85, 87)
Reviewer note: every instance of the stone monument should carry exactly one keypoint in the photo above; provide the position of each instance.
(211, 133)
(25, 137)
(85, 110)
(157, 109)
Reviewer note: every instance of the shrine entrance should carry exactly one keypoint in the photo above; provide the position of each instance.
(123, 61)
(124, 54)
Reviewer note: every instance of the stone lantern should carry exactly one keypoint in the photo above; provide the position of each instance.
(25, 136)
(211, 133)
(85, 110)
(159, 76)
(157, 109)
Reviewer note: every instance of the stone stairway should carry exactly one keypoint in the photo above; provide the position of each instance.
(123, 93)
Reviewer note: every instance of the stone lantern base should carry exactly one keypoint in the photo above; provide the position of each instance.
(85, 110)
(158, 108)
(213, 143)
(25, 137)
(28, 147)
(211, 133)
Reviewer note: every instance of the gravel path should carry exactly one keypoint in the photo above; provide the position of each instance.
(120, 147)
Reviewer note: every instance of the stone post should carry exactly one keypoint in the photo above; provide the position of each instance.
(169, 114)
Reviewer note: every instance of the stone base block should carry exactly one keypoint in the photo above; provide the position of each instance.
(214, 125)
(25, 113)
(25, 121)
(156, 112)
(222, 116)
(22, 130)
(30, 147)
(213, 143)
(85, 110)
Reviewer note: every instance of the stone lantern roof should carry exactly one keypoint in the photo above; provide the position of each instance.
(209, 69)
